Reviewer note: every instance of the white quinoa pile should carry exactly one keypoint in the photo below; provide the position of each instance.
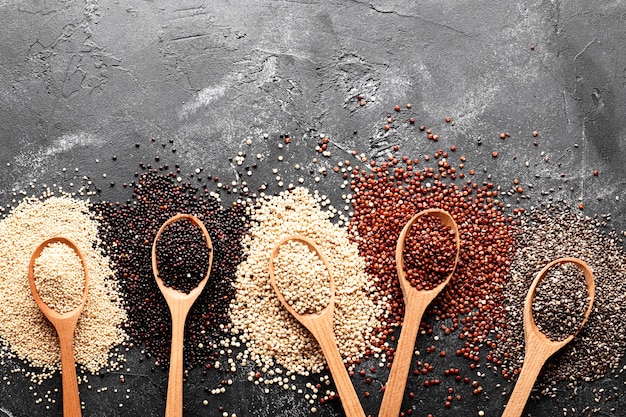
(302, 278)
(59, 277)
(24, 331)
(271, 334)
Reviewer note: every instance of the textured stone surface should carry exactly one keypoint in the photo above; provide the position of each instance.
(86, 80)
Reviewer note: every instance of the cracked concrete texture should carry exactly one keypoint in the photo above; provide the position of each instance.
(81, 80)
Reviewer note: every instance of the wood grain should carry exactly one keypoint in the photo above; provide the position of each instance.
(321, 327)
(415, 303)
(179, 304)
(538, 347)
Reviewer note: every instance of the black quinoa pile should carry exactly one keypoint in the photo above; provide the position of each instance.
(127, 232)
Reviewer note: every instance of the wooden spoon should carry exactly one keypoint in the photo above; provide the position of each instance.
(65, 325)
(321, 327)
(179, 304)
(538, 346)
(415, 303)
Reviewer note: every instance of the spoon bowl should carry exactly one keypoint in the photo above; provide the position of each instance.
(538, 347)
(415, 303)
(179, 304)
(320, 325)
(65, 325)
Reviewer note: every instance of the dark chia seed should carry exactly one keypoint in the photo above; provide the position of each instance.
(128, 231)
(182, 256)
(552, 232)
(560, 302)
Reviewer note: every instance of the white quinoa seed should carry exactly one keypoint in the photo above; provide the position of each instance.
(272, 335)
(302, 278)
(59, 277)
(24, 329)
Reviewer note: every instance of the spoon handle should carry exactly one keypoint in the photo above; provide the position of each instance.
(71, 400)
(396, 383)
(349, 399)
(174, 403)
(533, 362)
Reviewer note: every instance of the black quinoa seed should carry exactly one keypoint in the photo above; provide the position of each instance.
(182, 256)
(128, 231)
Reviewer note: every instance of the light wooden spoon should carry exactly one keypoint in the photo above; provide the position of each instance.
(179, 304)
(321, 327)
(538, 347)
(65, 325)
(415, 303)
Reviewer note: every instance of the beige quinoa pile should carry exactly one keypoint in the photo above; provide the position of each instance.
(59, 277)
(307, 288)
(24, 331)
(271, 334)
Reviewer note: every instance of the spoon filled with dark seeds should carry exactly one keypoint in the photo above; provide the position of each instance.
(558, 304)
(182, 254)
(427, 252)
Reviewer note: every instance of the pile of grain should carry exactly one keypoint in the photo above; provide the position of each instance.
(128, 232)
(23, 328)
(556, 232)
(59, 277)
(271, 333)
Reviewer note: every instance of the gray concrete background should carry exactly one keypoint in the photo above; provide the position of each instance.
(87, 80)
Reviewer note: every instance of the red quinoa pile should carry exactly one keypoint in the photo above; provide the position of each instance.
(429, 253)
(388, 195)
